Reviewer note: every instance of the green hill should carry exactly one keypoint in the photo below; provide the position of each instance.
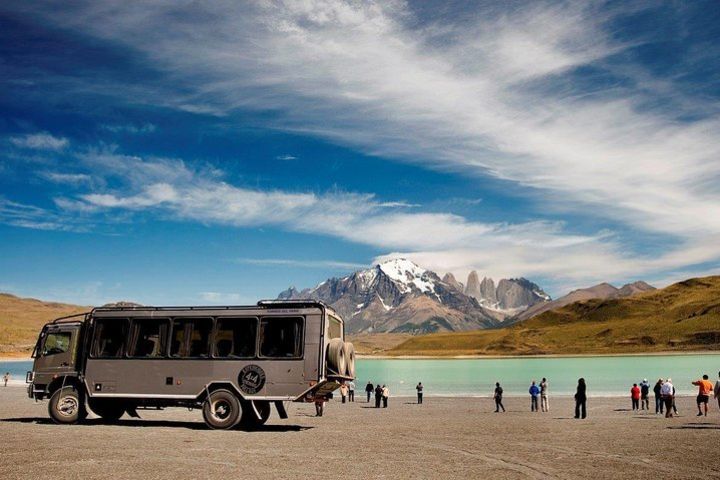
(22, 318)
(682, 317)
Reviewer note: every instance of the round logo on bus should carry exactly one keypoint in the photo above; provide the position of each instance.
(251, 379)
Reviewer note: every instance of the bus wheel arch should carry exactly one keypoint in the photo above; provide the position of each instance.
(67, 405)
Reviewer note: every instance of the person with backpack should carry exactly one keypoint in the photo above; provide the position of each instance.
(644, 395)
(657, 390)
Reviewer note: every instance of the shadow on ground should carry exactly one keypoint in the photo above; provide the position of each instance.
(157, 423)
(696, 426)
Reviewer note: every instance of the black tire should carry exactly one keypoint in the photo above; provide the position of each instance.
(221, 410)
(66, 406)
(349, 354)
(249, 419)
(108, 410)
(335, 356)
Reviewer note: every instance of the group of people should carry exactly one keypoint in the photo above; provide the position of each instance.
(347, 391)
(664, 391)
(539, 398)
(382, 394)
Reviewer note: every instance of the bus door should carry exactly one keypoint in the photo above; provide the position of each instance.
(56, 352)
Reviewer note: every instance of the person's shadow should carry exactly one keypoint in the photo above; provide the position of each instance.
(156, 423)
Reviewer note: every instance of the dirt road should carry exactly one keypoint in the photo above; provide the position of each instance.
(444, 438)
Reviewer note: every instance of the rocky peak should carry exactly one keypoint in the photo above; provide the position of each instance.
(449, 278)
(472, 287)
(487, 290)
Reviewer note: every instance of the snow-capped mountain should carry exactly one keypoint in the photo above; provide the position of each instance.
(400, 296)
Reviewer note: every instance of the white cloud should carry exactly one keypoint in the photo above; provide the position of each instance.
(40, 141)
(221, 298)
(68, 178)
(489, 97)
(286, 157)
(287, 262)
(130, 128)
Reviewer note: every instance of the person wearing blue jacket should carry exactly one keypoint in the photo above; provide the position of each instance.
(534, 394)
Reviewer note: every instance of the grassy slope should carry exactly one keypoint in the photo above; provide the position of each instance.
(684, 316)
(22, 318)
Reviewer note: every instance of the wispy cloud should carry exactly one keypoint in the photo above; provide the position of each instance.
(130, 128)
(221, 297)
(68, 178)
(286, 157)
(316, 264)
(39, 141)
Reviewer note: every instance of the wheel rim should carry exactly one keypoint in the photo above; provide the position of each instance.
(67, 406)
(221, 410)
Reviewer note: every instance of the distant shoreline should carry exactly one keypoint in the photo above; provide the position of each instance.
(552, 355)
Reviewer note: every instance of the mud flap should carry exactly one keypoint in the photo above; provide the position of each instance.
(132, 412)
(280, 407)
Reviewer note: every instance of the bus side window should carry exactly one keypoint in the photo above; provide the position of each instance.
(235, 337)
(191, 337)
(109, 337)
(148, 337)
(281, 337)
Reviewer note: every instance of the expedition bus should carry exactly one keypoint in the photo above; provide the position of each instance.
(234, 363)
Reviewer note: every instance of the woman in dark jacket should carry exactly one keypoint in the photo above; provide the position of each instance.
(378, 395)
(581, 399)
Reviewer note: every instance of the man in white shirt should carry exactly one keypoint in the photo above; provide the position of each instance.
(667, 395)
(385, 395)
(351, 391)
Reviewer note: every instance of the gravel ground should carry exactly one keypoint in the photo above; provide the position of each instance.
(444, 438)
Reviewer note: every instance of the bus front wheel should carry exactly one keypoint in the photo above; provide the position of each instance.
(66, 406)
(221, 410)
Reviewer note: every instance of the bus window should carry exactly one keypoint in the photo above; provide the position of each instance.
(334, 327)
(281, 337)
(235, 337)
(148, 338)
(55, 343)
(191, 337)
(109, 339)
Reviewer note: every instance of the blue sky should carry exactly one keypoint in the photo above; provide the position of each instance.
(179, 153)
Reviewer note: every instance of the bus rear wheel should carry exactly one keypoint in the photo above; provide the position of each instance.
(66, 406)
(249, 419)
(108, 410)
(221, 410)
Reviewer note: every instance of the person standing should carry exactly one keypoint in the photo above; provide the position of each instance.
(644, 394)
(319, 406)
(378, 395)
(351, 391)
(666, 391)
(419, 389)
(343, 392)
(581, 399)
(498, 398)
(369, 390)
(657, 390)
(703, 397)
(635, 397)
(716, 390)
(544, 406)
(534, 394)
(385, 395)
(6, 378)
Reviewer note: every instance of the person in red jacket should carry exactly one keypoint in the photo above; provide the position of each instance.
(635, 396)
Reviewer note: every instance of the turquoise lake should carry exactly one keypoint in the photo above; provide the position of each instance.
(476, 377)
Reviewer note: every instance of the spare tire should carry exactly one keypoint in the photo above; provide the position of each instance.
(349, 353)
(335, 356)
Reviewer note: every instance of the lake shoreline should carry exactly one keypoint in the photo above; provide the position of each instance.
(549, 355)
